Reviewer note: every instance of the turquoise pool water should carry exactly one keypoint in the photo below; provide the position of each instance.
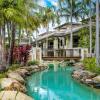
(58, 85)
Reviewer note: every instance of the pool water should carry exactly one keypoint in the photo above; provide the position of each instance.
(57, 84)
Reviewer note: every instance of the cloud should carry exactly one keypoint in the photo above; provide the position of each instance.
(42, 2)
(54, 3)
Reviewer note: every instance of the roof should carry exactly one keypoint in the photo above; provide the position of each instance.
(65, 24)
(60, 33)
(45, 33)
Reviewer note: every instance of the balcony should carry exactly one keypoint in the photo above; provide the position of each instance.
(65, 54)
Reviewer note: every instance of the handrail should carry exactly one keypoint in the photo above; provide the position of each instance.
(64, 52)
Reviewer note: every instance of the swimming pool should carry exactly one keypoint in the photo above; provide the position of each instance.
(57, 84)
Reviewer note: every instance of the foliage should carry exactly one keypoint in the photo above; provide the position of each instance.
(21, 16)
(21, 53)
(90, 64)
(13, 67)
(10, 68)
(3, 74)
(33, 63)
(71, 11)
(84, 37)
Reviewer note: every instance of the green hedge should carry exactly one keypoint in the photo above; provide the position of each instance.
(90, 64)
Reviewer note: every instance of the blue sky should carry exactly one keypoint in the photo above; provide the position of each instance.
(48, 3)
(51, 2)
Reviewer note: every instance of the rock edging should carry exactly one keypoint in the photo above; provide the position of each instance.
(87, 77)
(15, 82)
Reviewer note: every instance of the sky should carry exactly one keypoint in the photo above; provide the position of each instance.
(48, 3)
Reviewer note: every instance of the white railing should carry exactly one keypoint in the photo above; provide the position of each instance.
(67, 53)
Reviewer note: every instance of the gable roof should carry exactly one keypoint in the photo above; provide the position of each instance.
(60, 33)
(63, 26)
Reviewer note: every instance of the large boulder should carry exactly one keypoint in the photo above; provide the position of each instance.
(89, 74)
(30, 68)
(77, 74)
(42, 67)
(34, 67)
(13, 95)
(96, 79)
(16, 76)
(79, 64)
(11, 84)
(23, 72)
(83, 74)
(89, 81)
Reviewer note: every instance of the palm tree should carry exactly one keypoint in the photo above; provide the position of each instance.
(18, 12)
(48, 16)
(89, 8)
(15, 15)
(97, 33)
(18, 16)
(69, 9)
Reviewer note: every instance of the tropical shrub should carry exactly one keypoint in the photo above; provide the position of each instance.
(84, 37)
(32, 63)
(90, 64)
(21, 53)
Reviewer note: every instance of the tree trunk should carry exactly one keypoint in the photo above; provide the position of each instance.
(0, 45)
(8, 31)
(90, 28)
(12, 44)
(19, 37)
(71, 34)
(97, 33)
(3, 44)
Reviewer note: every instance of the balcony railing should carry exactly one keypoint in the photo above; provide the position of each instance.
(75, 53)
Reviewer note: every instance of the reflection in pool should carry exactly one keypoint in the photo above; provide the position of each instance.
(57, 84)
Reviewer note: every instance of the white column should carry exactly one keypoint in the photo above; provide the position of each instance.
(55, 43)
(55, 46)
(44, 49)
(46, 45)
(63, 42)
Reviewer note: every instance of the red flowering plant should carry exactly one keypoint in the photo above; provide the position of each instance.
(21, 53)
